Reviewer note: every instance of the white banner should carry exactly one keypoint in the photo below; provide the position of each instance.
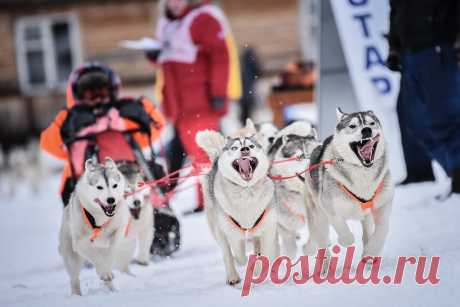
(361, 25)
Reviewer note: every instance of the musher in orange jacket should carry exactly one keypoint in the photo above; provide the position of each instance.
(94, 123)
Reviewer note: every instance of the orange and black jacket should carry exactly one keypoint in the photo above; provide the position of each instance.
(106, 132)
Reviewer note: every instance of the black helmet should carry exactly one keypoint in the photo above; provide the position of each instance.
(91, 76)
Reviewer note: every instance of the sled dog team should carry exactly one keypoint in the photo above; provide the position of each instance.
(262, 186)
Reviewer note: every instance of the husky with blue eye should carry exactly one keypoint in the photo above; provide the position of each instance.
(94, 222)
(239, 196)
(357, 186)
(297, 140)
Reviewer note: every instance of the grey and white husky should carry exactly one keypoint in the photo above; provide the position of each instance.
(296, 140)
(356, 186)
(267, 132)
(94, 222)
(141, 223)
(239, 196)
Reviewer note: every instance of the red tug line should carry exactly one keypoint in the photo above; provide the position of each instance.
(194, 173)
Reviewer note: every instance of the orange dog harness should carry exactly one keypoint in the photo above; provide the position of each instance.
(96, 230)
(365, 204)
(90, 221)
(254, 227)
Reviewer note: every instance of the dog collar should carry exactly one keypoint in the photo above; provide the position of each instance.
(365, 204)
(96, 230)
(91, 222)
(254, 227)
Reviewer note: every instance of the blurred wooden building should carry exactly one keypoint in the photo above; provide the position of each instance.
(43, 40)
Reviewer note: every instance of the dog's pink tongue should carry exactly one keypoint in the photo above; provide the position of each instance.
(368, 149)
(245, 167)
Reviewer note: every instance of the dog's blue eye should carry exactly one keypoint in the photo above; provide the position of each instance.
(100, 187)
(234, 148)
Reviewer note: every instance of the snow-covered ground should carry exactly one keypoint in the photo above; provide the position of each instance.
(32, 273)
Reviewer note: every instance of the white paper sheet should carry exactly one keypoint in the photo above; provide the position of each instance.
(146, 43)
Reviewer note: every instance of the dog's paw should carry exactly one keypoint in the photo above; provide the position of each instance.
(76, 290)
(107, 276)
(346, 240)
(233, 281)
(142, 262)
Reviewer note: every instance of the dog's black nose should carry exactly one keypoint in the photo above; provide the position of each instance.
(366, 132)
(110, 200)
(245, 151)
(137, 203)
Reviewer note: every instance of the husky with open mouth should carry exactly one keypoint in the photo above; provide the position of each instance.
(141, 222)
(239, 196)
(297, 140)
(357, 186)
(94, 222)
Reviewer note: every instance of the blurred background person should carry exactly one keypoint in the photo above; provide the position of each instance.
(250, 72)
(198, 72)
(424, 43)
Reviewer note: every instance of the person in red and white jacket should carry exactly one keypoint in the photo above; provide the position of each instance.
(198, 70)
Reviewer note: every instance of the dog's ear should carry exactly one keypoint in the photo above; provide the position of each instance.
(90, 165)
(250, 126)
(136, 168)
(340, 114)
(314, 132)
(212, 142)
(277, 143)
(372, 114)
(109, 163)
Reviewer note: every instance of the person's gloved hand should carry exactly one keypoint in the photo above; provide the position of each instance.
(152, 55)
(78, 117)
(218, 104)
(394, 61)
(133, 109)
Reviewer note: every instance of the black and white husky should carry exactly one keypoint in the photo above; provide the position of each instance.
(357, 186)
(94, 222)
(141, 223)
(239, 196)
(294, 141)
